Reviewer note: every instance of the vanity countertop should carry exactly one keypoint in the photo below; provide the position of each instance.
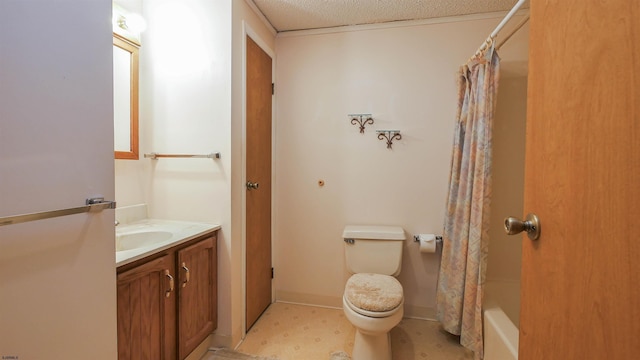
(154, 235)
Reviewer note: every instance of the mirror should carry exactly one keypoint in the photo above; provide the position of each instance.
(125, 98)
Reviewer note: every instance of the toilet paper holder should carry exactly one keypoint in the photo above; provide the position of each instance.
(416, 238)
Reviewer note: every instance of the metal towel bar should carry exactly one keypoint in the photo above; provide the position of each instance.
(92, 205)
(155, 156)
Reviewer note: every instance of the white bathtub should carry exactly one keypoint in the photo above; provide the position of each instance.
(500, 326)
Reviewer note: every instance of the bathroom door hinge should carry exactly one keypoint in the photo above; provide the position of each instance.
(273, 89)
(272, 273)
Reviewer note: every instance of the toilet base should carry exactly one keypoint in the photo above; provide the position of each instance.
(371, 346)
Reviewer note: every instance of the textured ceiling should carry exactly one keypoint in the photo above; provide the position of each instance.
(289, 15)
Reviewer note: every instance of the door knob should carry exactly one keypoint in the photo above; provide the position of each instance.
(531, 225)
(251, 185)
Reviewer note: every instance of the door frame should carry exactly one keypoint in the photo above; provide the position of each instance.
(247, 30)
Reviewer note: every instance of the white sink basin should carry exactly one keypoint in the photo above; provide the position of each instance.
(141, 239)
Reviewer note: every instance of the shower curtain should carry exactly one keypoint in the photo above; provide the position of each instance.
(466, 225)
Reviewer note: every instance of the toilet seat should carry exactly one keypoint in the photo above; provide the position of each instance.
(373, 295)
(373, 314)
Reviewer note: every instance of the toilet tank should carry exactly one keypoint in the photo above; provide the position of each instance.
(373, 249)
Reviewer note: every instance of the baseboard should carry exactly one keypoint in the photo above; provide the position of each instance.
(309, 299)
(201, 349)
(410, 311)
(419, 312)
(220, 341)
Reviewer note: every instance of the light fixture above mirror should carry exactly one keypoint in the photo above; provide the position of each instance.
(127, 24)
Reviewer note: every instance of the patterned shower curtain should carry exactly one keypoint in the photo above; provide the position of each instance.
(466, 225)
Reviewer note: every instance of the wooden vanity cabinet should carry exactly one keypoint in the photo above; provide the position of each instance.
(197, 295)
(146, 311)
(167, 302)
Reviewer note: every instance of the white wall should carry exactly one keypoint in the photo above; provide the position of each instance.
(184, 108)
(191, 90)
(405, 77)
(185, 95)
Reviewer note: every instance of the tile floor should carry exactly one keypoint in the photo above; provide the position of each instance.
(299, 332)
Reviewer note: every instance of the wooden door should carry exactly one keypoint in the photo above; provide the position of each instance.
(258, 224)
(581, 279)
(56, 145)
(146, 311)
(197, 299)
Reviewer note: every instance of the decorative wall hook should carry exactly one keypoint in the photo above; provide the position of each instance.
(361, 119)
(389, 135)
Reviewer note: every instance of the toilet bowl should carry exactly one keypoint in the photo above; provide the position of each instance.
(373, 298)
(372, 340)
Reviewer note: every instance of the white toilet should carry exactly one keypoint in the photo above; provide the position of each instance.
(373, 299)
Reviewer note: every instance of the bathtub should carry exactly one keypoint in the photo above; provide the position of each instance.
(501, 313)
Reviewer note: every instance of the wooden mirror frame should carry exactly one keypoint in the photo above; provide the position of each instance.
(132, 48)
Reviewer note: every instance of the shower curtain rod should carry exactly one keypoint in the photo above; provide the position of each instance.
(502, 23)
(515, 30)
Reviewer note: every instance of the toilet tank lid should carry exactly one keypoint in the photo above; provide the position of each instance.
(373, 232)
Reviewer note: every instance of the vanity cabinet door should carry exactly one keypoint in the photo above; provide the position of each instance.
(197, 294)
(146, 311)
